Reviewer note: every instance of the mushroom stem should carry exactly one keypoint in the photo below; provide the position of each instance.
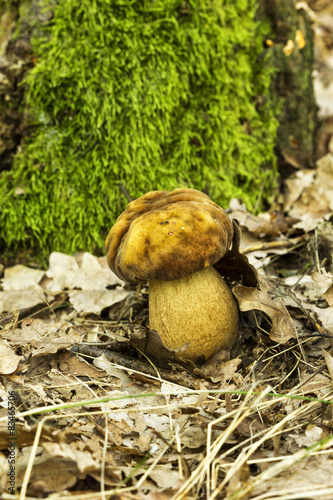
(197, 312)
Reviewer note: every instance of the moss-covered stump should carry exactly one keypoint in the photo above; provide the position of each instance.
(153, 95)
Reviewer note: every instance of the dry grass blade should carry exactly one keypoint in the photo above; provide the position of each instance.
(297, 493)
(203, 469)
(247, 452)
(286, 463)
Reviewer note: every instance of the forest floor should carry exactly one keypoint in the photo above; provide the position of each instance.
(89, 410)
(96, 418)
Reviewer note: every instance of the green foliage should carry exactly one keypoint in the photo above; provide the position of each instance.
(153, 94)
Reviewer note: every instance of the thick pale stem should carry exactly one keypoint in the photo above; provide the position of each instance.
(197, 313)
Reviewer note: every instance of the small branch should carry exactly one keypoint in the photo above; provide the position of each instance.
(124, 191)
(180, 378)
(270, 245)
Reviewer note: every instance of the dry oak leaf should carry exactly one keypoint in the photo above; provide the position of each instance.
(328, 296)
(37, 338)
(262, 298)
(8, 359)
(220, 370)
(310, 192)
(329, 362)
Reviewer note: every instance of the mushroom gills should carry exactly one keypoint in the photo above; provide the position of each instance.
(197, 312)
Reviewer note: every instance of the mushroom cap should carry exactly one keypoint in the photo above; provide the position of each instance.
(167, 235)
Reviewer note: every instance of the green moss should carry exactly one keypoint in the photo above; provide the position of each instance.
(156, 95)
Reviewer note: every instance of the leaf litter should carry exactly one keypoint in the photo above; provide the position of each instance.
(104, 410)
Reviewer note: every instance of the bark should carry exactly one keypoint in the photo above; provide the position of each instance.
(14, 61)
(17, 24)
(293, 54)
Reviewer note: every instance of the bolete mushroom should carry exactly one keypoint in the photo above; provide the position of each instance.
(172, 239)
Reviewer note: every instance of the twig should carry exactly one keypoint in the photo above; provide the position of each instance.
(316, 253)
(180, 378)
(124, 191)
(269, 245)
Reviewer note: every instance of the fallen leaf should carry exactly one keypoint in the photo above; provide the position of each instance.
(299, 39)
(239, 481)
(91, 285)
(13, 300)
(94, 301)
(303, 480)
(295, 185)
(328, 295)
(288, 48)
(219, 370)
(50, 475)
(312, 435)
(263, 298)
(324, 280)
(234, 266)
(37, 338)
(164, 476)
(264, 224)
(329, 363)
(21, 277)
(71, 364)
(314, 189)
(8, 359)
(26, 436)
(314, 384)
(325, 315)
(83, 460)
(86, 272)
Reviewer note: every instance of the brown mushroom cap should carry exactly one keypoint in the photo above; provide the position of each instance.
(167, 235)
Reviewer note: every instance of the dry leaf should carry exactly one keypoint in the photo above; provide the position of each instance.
(264, 224)
(14, 300)
(295, 185)
(87, 278)
(220, 370)
(94, 301)
(39, 338)
(329, 363)
(73, 365)
(50, 475)
(312, 435)
(325, 281)
(288, 48)
(21, 277)
(325, 315)
(234, 266)
(21, 288)
(329, 296)
(314, 384)
(310, 193)
(164, 476)
(86, 272)
(238, 481)
(299, 39)
(8, 359)
(263, 298)
(83, 460)
(302, 481)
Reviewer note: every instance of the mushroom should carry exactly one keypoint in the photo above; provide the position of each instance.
(172, 239)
